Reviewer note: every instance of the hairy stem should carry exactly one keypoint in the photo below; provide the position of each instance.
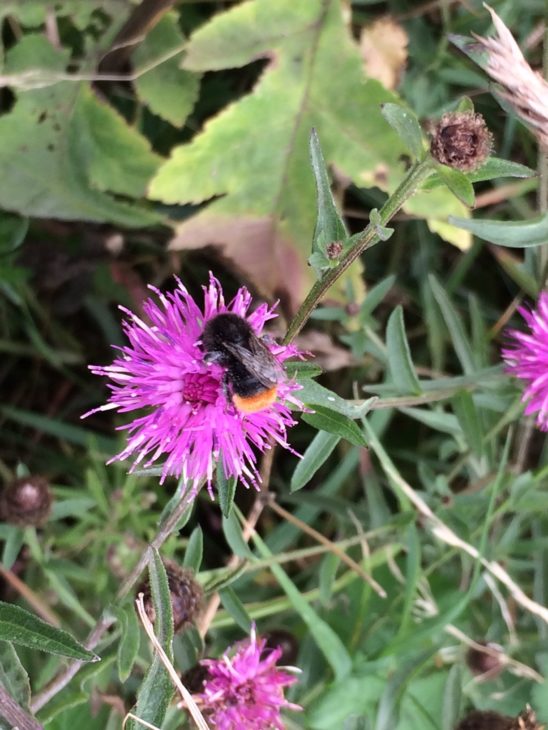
(408, 187)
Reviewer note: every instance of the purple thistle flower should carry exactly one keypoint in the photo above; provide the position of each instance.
(187, 416)
(244, 690)
(527, 358)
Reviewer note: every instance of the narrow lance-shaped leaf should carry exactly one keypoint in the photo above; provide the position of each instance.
(128, 647)
(327, 419)
(157, 689)
(316, 454)
(194, 550)
(407, 126)
(513, 234)
(235, 608)
(329, 226)
(458, 184)
(399, 356)
(22, 627)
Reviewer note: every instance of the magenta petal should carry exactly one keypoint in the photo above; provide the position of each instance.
(184, 418)
(526, 357)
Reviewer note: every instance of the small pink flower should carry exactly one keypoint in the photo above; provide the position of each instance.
(185, 414)
(526, 356)
(244, 690)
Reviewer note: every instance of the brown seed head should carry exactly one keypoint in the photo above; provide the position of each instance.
(26, 501)
(186, 596)
(489, 662)
(461, 140)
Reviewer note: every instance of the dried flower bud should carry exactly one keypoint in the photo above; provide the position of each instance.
(186, 596)
(334, 249)
(486, 720)
(461, 140)
(490, 662)
(26, 501)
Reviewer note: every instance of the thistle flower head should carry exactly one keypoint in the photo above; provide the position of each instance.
(526, 357)
(186, 416)
(26, 501)
(244, 689)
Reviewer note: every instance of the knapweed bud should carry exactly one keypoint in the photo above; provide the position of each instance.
(490, 662)
(334, 250)
(461, 140)
(186, 596)
(486, 720)
(26, 501)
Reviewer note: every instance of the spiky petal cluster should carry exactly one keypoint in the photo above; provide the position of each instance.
(185, 416)
(526, 356)
(244, 690)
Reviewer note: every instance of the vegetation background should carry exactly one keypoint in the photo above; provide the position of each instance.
(139, 140)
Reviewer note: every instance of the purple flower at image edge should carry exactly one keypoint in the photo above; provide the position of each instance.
(526, 357)
(185, 415)
(244, 689)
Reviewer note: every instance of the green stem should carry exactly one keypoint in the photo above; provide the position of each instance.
(408, 187)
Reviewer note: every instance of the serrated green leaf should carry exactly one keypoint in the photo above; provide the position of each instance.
(263, 193)
(226, 490)
(454, 324)
(513, 234)
(46, 180)
(329, 224)
(24, 628)
(469, 419)
(326, 419)
(166, 89)
(407, 127)
(13, 676)
(113, 155)
(130, 640)
(400, 363)
(236, 609)
(458, 184)
(157, 689)
(327, 640)
(316, 454)
(194, 550)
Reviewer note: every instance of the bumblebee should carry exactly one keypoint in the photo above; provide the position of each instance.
(252, 373)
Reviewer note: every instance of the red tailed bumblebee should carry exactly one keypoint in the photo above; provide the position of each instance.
(252, 373)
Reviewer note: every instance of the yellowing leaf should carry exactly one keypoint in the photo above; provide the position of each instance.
(383, 47)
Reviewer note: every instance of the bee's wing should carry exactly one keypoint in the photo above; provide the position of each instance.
(258, 360)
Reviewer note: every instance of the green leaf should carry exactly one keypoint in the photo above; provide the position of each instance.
(375, 296)
(454, 324)
(316, 454)
(400, 363)
(233, 534)
(327, 640)
(166, 89)
(329, 224)
(13, 230)
(13, 675)
(469, 419)
(114, 156)
(492, 169)
(458, 184)
(262, 193)
(407, 126)
(326, 419)
(302, 370)
(513, 234)
(24, 628)
(130, 640)
(194, 550)
(14, 541)
(452, 698)
(156, 691)
(41, 152)
(236, 609)
(226, 489)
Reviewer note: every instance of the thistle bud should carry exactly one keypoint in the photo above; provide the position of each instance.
(461, 140)
(486, 720)
(489, 662)
(186, 596)
(26, 501)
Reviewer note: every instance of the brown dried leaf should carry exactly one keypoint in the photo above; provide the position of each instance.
(383, 47)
